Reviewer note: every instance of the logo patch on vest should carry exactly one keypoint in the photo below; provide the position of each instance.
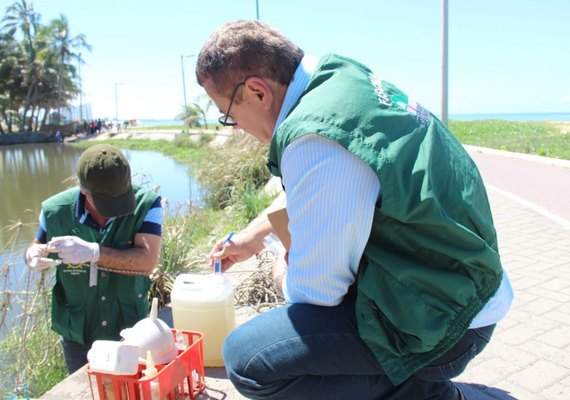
(383, 97)
(411, 106)
(399, 100)
(74, 269)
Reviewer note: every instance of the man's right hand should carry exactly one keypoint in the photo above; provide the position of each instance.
(238, 249)
(36, 257)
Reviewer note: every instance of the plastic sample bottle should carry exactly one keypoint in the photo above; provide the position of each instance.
(150, 372)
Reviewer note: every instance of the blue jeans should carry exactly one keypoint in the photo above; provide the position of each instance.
(75, 354)
(302, 351)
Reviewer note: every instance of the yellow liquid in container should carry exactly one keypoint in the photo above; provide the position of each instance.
(204, 303)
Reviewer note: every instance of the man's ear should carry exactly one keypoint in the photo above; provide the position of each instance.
(261, 92)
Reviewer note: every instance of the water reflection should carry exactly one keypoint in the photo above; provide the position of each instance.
(30, 173)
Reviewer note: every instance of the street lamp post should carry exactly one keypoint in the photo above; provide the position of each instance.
(117, 101)
(444, 72)
(183, 79)
(257, 9)
(80, 92)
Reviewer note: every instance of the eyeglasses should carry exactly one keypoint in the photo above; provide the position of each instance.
(226, 119)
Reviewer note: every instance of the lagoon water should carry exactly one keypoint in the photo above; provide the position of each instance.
(30, 173)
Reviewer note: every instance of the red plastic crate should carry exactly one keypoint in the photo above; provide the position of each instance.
(181, 378)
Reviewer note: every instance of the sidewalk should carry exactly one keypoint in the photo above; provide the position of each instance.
(529, 354)
(528, 357)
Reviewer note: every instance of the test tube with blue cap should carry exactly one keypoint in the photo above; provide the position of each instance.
(217, 261)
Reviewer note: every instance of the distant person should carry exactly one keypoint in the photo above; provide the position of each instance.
(393, 279)
(58, 137)
(104, 238)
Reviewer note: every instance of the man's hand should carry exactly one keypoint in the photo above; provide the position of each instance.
(73, 250)
(36, 257)
(241, 247)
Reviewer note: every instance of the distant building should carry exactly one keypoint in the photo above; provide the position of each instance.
(77, 113)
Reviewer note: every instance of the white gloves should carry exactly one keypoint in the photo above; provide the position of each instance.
(36, 258)
(73, 250)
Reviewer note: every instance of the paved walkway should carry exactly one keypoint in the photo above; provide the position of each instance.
(529, 355)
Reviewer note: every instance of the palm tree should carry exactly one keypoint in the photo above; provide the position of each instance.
(20, 16)
(11, 88)
(48, 62)
(204, 98)
(61, 47)
(191, 115)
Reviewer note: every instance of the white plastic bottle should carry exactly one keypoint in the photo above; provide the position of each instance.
(272, 243)
(181, 340)
(150, 372)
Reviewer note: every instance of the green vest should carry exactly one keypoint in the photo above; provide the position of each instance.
(431, 262)
(81, 313)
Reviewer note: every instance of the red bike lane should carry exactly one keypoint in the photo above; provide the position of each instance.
(542, 181)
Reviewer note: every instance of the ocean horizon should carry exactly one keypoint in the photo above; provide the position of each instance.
(552, 117)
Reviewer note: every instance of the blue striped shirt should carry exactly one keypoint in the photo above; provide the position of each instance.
(331, 195)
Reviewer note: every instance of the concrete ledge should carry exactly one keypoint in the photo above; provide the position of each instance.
(19, 138)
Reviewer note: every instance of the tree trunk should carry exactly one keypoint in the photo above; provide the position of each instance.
(35, 119)
(26, 107)
(44, 119)
(9, 122)
(205, 120)
(31, 120)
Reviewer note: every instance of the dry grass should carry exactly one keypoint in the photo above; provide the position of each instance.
(257, 290)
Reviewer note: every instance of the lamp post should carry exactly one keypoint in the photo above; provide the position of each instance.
(80, 92)
(117, 101)
(444, 66)
(257, 9)
(183, 80)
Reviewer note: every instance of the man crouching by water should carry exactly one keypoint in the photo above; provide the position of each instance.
(393, 277)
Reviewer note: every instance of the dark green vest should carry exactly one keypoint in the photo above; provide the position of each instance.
(81, 313)
(431, 262)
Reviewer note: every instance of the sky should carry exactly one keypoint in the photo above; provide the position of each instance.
(506, 56)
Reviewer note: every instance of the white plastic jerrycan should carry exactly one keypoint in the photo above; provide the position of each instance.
(204, 303)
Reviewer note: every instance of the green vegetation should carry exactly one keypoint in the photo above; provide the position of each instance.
(539, 138)
(194, 114)
(38, 68)
(177, 128)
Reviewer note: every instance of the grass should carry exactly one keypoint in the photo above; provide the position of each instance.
(158, 128)
(185, 148)
(538, 138)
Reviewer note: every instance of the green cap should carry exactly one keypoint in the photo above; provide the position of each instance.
(105, 172)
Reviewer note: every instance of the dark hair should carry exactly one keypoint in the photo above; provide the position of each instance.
(241, 49)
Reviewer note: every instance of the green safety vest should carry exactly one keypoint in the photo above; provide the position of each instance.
(431, 262)
(81, 313)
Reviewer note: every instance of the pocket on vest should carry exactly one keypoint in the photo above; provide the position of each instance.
(132, 311)
(68, 319)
